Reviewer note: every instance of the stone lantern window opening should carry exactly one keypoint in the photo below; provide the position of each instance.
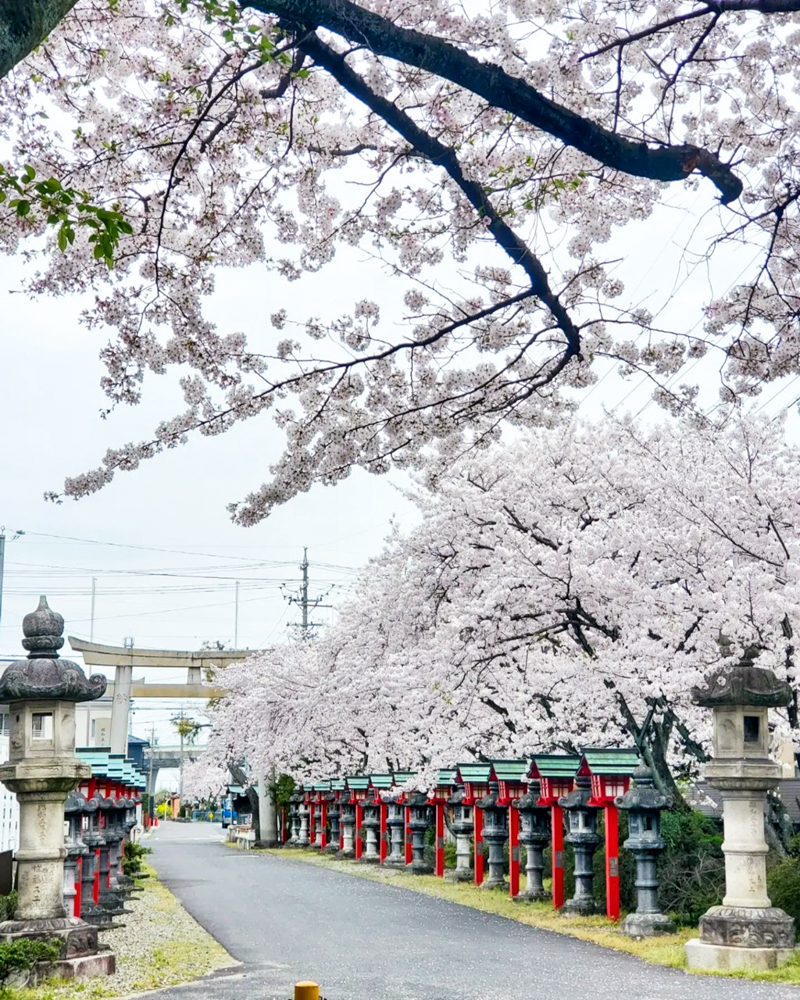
(752, 726)
(42, 726)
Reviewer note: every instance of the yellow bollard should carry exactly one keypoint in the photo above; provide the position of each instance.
(306, 991)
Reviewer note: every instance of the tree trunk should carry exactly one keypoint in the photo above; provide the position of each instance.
(251, 792)
(24, 24)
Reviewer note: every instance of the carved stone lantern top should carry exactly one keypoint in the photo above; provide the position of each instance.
(43, 675)
(743, 684)
(643, 795)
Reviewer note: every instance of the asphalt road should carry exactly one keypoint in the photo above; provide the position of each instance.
(361, 940)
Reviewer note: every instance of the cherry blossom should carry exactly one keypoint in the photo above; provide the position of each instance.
(563, 591)
(487, 156)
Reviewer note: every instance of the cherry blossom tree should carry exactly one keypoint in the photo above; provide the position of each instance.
(484, 155)
(567, 590)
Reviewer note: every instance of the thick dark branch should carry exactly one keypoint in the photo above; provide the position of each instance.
(445, 157)
(24, 24)
(347, 19)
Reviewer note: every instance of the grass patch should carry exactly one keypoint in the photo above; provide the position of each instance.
(667, 950)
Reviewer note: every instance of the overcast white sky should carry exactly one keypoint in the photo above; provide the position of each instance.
(158, 542)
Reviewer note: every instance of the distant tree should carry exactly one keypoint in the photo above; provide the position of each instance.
(566, 591)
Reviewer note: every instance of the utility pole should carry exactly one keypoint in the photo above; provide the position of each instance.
(2, 561)
(94, 594)
(303, 600)
(304, 592)
(152, 796)
(236, 620)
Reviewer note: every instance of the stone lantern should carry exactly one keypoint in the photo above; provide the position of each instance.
(347, 821)
(534, 835)
(332, 799)
(643, 804)
(303, 813)
(371, 823)
(746, 931)
(461, 826)
(41, 692)
(581, 823)
(294, 817)
(396, 823)
(495, 833)
(418, 823)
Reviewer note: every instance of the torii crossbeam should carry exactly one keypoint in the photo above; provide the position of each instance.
(125, 658)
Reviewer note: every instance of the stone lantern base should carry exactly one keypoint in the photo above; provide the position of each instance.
(742, 937)
(642, 925)
(79, 957)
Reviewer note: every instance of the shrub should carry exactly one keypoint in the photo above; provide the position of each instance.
(8, 906)
(132, 855)
(783, 885)
(692, 866)
(23, 954)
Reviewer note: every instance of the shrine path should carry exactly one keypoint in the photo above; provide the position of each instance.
(363, 940)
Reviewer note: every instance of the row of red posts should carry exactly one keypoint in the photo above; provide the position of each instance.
(101, 813)
(609, 769)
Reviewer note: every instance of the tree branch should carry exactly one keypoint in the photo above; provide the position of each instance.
(663, 163)
(445, 157)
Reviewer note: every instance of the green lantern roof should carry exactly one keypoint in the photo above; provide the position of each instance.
(400, 777)
(337, 784)
(447, 776)
(477, 773)
(611, 760)
(383, 780)
(556, 765)
(358, 783)
(511, 770)
(323, 786)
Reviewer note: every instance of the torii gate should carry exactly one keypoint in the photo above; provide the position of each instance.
(125, 658)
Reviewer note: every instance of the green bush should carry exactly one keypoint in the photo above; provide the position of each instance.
(783, 885)
(8, 906)
(691, 867)
(23, 954)
(132, 855)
